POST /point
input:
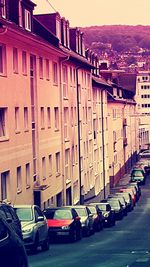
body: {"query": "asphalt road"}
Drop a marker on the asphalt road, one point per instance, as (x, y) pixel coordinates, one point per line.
(127, 244)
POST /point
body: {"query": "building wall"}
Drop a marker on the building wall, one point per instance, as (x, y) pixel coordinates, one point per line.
(123, 133)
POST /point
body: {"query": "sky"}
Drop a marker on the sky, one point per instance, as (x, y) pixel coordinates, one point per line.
(82, 13)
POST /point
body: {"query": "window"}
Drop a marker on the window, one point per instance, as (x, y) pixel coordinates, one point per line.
(48, 117)
(27, 175)
(44, 168)
(55, 73)
(90, 153)
(27, 20)
(47, 69)
(58, 29)
(66, 121)
(67, 160)
(41, 68)
(65, 82)
(17, 120)
(24, 62)
(42, 118)
(3, 2)
(73, 156)
(15, 60)
(2, 59)
(50, 165)
(57, 163)
(3, 122)
(56, 114)
(90, 118)
(76, 148)
(72, 117)
(26, 119)
(4, 183)
(19, 179)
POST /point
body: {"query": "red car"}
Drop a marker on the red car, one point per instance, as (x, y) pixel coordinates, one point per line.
(63, 222)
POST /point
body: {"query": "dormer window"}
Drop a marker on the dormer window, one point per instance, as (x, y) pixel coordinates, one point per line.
(3, 3)
(58, 30)
(27, 20)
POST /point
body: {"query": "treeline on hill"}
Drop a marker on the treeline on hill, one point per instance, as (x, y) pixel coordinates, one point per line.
(121, 37)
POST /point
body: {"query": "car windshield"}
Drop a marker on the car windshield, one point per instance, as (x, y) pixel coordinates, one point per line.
(62, 214)
(24, 214)
(114, 203)
(81, 211)
(92, 210)
(137, 173)
(102, 207)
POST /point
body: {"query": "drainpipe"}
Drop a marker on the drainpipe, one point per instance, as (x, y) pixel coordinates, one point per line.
(81, 196)
(103, 145)
(62, 60)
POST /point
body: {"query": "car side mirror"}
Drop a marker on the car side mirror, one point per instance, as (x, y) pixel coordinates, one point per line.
(77, 218)
(40, 219)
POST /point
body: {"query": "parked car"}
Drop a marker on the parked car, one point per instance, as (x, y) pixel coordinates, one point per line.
(131, 191)
(87, 220)
(137, 175)
(128, 199)
(34, 227)
(108, 213)
(145, 154)
(144, 163)
(97, 216)
(136, 188)
(116, 206)
(12, 250)
(11, 217)
(122, 201)
(63, 222)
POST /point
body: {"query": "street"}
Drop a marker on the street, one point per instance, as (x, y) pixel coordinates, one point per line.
(127, 244)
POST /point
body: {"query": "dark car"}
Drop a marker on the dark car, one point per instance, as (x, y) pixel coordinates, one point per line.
(138, 175)
(11, 217)
(116, 206)
(63, 222)
(122, 201)
(12, 250)
(108, 213)
(128, 199)
(97, 216)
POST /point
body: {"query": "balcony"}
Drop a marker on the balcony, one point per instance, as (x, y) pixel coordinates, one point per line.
(125, 142)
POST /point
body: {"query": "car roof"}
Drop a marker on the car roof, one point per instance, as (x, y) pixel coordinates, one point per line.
(25, 206)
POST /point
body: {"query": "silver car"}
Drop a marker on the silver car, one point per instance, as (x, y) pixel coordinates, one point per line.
(87, 220)
(34, 226)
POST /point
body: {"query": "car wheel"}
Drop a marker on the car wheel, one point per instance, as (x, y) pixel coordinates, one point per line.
(79, 235)
(87, 232)
(73, 235)
(36, 244)
(45, 245)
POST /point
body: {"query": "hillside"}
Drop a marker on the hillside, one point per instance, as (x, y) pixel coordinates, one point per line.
(121, 38)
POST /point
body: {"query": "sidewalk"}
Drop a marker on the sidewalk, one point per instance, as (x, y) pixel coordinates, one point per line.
(123, 181)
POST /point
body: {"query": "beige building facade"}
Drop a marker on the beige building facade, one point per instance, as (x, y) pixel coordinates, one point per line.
(57, 123)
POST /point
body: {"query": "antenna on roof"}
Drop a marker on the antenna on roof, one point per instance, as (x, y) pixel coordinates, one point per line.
(51, 5)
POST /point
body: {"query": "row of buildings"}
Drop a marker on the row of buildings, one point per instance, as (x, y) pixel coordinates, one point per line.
(69, 130)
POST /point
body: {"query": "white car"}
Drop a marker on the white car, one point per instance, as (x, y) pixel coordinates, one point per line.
(34, 226)
(145, 154)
